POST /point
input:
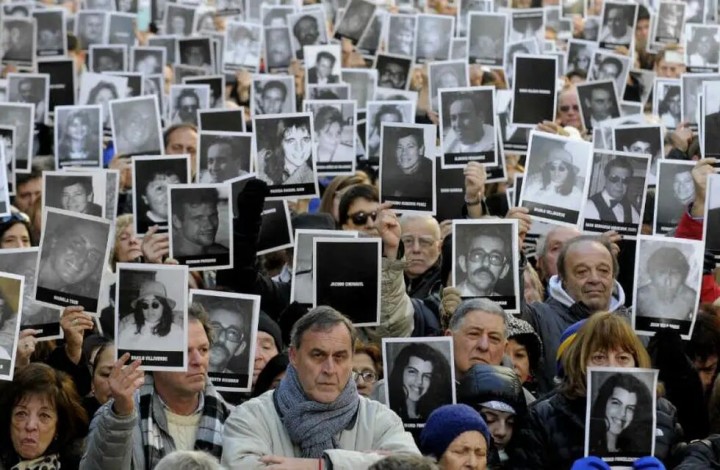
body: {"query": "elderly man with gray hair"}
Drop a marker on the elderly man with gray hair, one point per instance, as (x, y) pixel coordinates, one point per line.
(315, 418)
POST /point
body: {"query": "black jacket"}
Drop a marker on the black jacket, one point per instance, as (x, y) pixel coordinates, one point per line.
(702, 455)
(554, 433)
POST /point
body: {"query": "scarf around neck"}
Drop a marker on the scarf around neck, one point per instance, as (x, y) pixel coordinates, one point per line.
(313, 425)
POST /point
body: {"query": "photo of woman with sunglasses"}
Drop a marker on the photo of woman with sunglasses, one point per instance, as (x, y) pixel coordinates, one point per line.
(556, 183)
(152, 324)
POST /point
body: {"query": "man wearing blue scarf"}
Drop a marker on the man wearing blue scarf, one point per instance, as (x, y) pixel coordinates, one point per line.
(315, 418)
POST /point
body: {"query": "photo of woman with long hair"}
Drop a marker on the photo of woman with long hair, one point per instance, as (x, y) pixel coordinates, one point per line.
(151, 324)
(419, 382)
(78, 136)
(557, 182)
(287, 160)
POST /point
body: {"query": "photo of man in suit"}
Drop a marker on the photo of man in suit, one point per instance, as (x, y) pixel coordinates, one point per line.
(321, 72)
(613, 203)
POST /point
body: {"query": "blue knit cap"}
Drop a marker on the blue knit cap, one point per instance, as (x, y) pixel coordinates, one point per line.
(566, 339)
(445, 424)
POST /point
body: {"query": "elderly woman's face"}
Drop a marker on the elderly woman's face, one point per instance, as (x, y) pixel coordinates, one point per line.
(151, 307)
(416, 378)
(297, 145)
(362, 365)
(611, 358)
(101, 375)
(467, 452)
(33, 426)
(620, 409)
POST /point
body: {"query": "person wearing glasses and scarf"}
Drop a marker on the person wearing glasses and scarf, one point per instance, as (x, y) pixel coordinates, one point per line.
(613, 203)
(151, 323)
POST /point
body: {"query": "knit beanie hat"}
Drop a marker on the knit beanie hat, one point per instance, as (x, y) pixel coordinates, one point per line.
(269, 326)
(566, 339)
(445, 424)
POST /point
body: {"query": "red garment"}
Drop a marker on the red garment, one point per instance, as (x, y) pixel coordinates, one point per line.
(693, 229)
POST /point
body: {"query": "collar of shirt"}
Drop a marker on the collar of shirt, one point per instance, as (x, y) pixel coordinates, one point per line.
(201, 404)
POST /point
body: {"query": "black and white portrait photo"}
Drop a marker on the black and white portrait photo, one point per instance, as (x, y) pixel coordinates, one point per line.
(641, 139)
(285, 154)
(242, 46)
(556, 177)
(702, 53)
(121, 29)
(169, 43)
(335, 135)
(303, 262)
(73, 251)
(394, 71)
(44, 319)
(185, 101)
(80, 193)
(407, 166)
(467, 126)
(322, 64)
(275, 15)
(534, 89)
(136, 125)
(620, 418)
(610, 66)
(108, 180)
(78, 136)
(272, 94)
(90, 28)
(51, 32)
(400, 38)
(618, 25)
(465, 9)
(18, 41)
(33, 89)
(666, 101)
(384, 111)
(147, 60)
(446, 74)
(100, 89)
(179, 19)
(432, 41)
(526, 23)
(308, 29)
(234, 322)
(200, 228)
(616, 197)
(151, 315)
(579, 55)
(347, 277)
(135, 83)
(223, 155)
(668, 273)
(712, 214)
(598, 102)
(459, 48)
(105, 58)
(486, 38)
(691, 87)
(356, 19)
(226, 120)
(668, 24)
(420, 377)
(21, 116)
(362, 85)
(675, 177)
(710, 134)
(151, 178)
(484, 253)
(62, 80)
(196, 52)
(278, 50)
(11, 294)
(369, 42)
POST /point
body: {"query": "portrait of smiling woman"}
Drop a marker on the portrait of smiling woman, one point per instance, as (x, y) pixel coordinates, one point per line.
(621, 418)
(78, 135)
(420, 381)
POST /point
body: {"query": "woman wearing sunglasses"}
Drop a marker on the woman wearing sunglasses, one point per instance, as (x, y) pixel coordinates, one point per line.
(151, 325)
(556, 183)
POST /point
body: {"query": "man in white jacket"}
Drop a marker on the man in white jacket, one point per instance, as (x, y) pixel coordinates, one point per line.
(315, 418)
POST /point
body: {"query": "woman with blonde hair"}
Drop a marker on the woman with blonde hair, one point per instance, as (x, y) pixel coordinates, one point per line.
(553, 435)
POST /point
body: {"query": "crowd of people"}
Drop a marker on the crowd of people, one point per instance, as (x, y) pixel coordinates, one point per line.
(505, 340)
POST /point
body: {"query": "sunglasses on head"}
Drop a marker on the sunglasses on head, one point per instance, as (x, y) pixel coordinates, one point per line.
(617, 179)
(566, 107)
(153, 304)
(360, 218)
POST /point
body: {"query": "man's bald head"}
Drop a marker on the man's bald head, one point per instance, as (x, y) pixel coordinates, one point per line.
(549, 247)
(421, 240)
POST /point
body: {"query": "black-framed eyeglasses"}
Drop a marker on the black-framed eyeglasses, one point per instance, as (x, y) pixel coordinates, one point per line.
(614, 179)
(368, 376)
(146, 305)
(479, 256)
(231, 333)
(360, 218)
